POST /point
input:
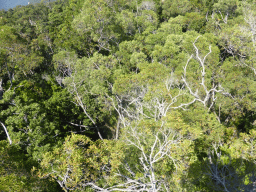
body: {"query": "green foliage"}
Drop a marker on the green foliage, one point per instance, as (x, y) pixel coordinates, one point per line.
(74, 71)
(81, 160)
(175, 8)
(38, 116)
(15, 171)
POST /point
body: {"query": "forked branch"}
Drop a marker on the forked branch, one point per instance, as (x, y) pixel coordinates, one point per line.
(208, 97)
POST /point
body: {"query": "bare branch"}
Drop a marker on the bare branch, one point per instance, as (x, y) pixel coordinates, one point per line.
(208, 93)
(6, 132)
(150, 155)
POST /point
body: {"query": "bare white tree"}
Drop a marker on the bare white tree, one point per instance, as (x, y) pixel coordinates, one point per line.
(132, 105)
(129, 106)
(151, 152)
(208, 97)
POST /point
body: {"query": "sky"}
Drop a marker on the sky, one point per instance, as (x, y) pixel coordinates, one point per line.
(7, 4)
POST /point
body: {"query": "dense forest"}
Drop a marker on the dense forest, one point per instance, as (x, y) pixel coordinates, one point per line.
(117, 95)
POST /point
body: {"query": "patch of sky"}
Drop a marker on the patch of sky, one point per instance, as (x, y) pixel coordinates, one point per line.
(7, 4)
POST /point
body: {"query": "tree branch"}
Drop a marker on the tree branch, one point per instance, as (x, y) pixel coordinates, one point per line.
(6, 132)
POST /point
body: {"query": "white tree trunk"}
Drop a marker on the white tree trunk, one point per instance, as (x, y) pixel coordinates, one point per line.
(7, 134)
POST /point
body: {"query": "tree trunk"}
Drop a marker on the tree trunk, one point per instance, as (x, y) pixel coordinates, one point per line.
(7, 134)
(1, 89)
(118, 127)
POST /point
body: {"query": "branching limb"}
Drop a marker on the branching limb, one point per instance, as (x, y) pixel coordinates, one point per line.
(151, 154)
(209, 94)
(6, 132)
(81, 104)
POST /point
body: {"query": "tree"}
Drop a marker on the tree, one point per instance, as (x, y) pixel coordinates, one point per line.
(87, 80)
(223, 168)
(15, 171)
(98, 20)
(209, 94)
(39, 116)
(80, 162)
(15, 57)
(153, 150)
